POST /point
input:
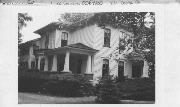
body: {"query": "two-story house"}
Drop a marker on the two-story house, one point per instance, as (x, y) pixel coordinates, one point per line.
(70, 48)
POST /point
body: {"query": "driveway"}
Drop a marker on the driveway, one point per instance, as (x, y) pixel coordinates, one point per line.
(30, 98)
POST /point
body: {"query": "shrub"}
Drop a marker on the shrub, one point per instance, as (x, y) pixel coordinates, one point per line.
(68, 88)
(29, 84)
(106, 92)
(137, 89)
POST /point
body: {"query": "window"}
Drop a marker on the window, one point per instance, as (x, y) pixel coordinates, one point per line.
(121, 70)
(35, 48)
(105, 69)
(64, 39)
(107, 36)
(47, 42)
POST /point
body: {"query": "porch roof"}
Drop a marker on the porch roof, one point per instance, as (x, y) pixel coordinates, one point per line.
(74, 48)
(134, 56)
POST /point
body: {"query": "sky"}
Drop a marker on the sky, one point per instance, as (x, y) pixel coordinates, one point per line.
(41, 17)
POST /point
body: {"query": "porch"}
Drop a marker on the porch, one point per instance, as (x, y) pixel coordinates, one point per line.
(74, 60)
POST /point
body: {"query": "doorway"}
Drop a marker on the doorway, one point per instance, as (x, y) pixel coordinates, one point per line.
(137, 69)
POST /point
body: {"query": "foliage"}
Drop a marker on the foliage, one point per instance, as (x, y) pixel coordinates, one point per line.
(67, 88)
(74, 17)
(22, 19)
(30, 84)
(137, 89)
(106, 91)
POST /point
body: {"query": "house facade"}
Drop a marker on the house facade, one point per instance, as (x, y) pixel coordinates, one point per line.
(87, 50)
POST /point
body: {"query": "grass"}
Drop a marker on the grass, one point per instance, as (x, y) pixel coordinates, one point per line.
(31, 98)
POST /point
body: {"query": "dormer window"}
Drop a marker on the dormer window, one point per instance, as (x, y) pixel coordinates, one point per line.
(64, 39)
(107, 36)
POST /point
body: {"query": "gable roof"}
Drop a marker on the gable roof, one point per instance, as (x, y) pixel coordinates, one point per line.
(63, 25)
(74, 26)
(80, 46)
(28, 43)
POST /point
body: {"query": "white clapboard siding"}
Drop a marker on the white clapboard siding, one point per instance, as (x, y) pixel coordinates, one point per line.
(42, 43)
(58, 38)
(51, 40)
(105, 51)
(84, 36)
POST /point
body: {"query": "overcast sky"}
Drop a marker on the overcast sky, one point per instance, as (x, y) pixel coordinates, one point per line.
(41, 17)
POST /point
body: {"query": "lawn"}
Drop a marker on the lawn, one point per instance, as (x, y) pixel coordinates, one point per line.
(31, 98)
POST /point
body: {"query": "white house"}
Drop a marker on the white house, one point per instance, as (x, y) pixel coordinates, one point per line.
(86, 50)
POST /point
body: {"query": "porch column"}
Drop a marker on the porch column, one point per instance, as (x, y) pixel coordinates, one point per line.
(88, 68)
(54, 66)
(46, 64)
(39, 60)
(66, 63)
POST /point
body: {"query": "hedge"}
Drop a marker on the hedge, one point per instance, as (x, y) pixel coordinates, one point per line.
(137, 89)
(67, 88)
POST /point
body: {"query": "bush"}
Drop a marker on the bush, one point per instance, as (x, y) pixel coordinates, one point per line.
(30, 84)
(106, 92)
(137, 89)
(67, 88)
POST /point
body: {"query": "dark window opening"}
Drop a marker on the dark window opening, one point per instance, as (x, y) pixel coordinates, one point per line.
(60, 62)
(121, 70)
(33, 65)
(64, 39)
(107, 36)
(42, 63)
(79, 63)
(35, 47)
(137, 69)
(36, 63)
(105, 69)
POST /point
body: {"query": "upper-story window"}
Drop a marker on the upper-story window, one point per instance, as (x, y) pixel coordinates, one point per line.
(35, 47)
(47, 42)
(64, 39)
(107, 36)
(105, 69)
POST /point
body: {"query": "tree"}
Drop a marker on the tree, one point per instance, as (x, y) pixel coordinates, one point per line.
(106, 91)
(22, 19)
